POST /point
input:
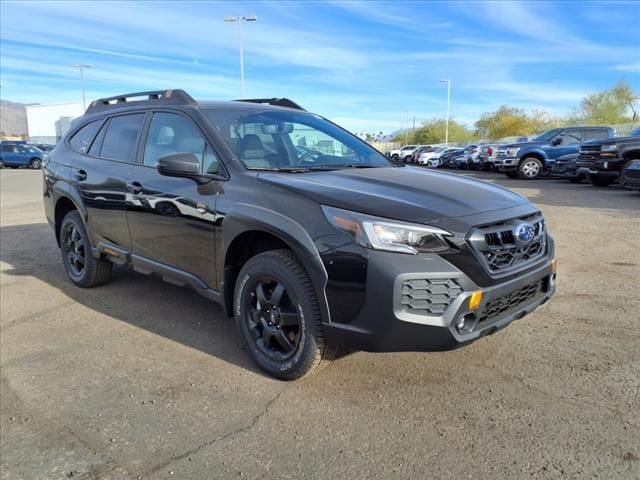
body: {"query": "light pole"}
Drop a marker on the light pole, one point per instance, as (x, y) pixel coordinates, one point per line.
(446, 132)
(245, 18)
(81, 67)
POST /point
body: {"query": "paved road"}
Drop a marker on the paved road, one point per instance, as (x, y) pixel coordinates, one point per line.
(142, 379)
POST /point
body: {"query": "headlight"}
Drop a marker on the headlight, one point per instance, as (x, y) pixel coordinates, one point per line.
(382, 234)
(609, 148)
(512, 152)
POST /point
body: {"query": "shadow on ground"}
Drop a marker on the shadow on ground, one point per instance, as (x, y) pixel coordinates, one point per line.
(177, 313)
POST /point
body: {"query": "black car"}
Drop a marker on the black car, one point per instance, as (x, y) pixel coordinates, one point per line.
(604, 161)
(445, 159)
(631, 177)
(310, 250)
(566, 166)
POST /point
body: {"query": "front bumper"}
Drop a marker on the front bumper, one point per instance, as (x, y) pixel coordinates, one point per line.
(506, 164)
(386, 323)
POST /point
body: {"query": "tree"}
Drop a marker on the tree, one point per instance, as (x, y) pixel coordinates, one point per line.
(617, 104)
(433, 131)
(505, 122)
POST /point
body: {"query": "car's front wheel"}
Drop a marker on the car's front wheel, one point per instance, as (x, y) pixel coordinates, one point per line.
(278, 316)
(530, 167)
(81, 266)
(35, 163)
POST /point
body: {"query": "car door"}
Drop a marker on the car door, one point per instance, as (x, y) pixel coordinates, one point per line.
(8, 155)
(172, 219)
(564, 143)
(99, 172)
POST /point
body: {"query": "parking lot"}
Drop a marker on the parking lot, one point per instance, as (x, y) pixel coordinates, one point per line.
(142, 379)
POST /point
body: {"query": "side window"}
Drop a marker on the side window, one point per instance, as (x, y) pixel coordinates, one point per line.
(568, 137)
(593, 133)
(8, 148)
(121, 137)
(173, 133)
(82, 138)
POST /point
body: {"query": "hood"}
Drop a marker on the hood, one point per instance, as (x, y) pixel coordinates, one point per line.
(404, 193)
(523, 144)
(612, 140)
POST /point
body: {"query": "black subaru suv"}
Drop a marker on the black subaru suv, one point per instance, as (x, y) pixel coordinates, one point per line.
(309, 237)
(604, 161)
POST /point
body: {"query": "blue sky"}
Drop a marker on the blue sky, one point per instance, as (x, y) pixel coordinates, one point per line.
(366, 65)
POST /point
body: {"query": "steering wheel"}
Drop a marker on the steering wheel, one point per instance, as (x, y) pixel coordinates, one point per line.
(308, 155)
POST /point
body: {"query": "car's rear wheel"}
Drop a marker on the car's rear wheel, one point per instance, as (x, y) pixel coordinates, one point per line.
(529, 168)
(35, 163)
(81, 266)
(601, 181)
(278, 316)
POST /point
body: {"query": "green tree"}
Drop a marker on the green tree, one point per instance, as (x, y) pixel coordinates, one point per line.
(505, 122)
(433, 131)
(618, 104)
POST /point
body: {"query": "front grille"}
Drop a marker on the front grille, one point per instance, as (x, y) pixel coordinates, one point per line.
(429, 296)
(501, 253)
(589, 153)
(495, 308)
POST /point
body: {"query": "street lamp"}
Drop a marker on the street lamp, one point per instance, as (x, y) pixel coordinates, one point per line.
(81, 67)
(246, 18)
(446, 133)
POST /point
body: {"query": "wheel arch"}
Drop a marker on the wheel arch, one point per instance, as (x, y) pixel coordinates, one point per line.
(63, 205)
(249, 230)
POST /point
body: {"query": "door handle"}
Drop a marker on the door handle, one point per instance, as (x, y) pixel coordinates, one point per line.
(135, 188)
(80, 175)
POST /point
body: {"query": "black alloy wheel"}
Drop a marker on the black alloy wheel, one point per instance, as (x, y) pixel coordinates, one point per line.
(73, 249)
(272, 318)
(278, 316)
(82, 267)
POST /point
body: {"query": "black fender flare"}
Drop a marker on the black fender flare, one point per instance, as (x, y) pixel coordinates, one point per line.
(245, 217)
(62, 190)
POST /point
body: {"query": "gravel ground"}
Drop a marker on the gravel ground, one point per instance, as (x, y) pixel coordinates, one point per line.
(142, 379)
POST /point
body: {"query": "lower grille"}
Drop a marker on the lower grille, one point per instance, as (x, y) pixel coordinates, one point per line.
(429, 296)
(501, 252)
(498, 306)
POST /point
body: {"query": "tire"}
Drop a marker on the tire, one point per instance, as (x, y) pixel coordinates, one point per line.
(82, 268)
(282, 335)
(512, 174)
(395, 157)
(35, 163)
(601, 181)
(529, 168)
(1, 165)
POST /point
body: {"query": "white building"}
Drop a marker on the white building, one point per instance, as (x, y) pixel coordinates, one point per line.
(47, 123)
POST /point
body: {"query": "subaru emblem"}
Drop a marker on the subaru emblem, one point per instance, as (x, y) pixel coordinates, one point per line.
(524, 233)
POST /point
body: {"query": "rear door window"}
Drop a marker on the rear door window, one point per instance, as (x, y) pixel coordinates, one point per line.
(121, 138)
(82, 138)
(593, 133)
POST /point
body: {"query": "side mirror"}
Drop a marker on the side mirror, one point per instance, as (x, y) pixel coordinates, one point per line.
(179, 165)
(556, 141)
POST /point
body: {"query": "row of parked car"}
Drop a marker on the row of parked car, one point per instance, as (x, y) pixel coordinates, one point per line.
(577, 153)
(19, 153)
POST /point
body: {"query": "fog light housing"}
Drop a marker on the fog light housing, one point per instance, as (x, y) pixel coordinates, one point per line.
(466, 323)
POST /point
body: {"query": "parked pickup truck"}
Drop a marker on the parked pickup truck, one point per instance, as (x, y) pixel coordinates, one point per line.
(532, 159)
(605, 161)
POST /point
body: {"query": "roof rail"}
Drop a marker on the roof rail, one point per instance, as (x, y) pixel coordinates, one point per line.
(278, 102)
(162, 97)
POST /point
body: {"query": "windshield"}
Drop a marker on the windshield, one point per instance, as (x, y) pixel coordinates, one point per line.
(635, 133)
(291, 141)
(548, 135)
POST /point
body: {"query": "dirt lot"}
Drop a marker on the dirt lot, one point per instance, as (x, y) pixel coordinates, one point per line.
(142, 379)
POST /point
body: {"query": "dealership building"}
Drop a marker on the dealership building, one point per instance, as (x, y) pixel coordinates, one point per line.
(48, 123)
